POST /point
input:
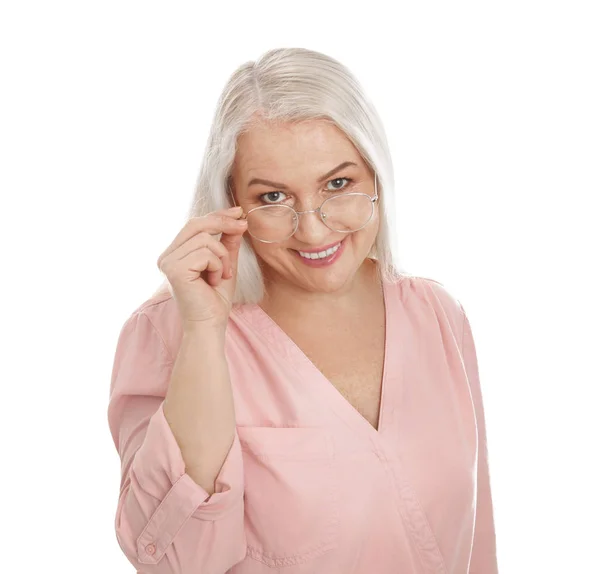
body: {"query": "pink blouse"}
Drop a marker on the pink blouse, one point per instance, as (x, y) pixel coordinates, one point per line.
(308, 485)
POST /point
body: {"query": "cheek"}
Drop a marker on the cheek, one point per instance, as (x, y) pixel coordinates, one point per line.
(372, 227)
(267, 250)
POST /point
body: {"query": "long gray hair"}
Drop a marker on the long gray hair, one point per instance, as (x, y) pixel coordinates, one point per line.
(288, 85)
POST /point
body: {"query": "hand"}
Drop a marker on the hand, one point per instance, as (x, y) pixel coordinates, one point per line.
(202, 269)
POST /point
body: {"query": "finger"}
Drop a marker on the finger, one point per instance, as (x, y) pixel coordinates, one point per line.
(216, 247)
(211, 223)
(233, 242)
(200, 241)
(214, 270)
(199, 263)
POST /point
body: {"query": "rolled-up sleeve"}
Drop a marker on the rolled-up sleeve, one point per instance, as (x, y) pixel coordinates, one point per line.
(483, 557)
(165, 522)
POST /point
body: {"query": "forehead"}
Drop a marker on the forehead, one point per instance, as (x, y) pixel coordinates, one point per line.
(311, 146)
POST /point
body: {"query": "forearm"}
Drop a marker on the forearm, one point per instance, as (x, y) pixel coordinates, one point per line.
(199, 404)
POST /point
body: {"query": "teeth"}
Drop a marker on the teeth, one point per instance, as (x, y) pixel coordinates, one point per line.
(321, 254)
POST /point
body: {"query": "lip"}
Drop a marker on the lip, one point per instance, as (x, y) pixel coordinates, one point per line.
(323, 262)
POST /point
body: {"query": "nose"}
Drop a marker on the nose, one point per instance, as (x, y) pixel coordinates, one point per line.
(311, 229)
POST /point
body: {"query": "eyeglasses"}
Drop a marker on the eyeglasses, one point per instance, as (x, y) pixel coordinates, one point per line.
(344, 213)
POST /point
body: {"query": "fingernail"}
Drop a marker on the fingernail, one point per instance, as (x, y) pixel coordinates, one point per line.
(236, 208)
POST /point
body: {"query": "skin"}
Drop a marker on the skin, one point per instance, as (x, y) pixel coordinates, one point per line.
(297, 155)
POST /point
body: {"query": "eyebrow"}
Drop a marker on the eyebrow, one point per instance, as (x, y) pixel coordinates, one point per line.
(283, 186)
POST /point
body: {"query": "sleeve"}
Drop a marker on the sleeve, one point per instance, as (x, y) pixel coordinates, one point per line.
(165, 522)
(483, 556)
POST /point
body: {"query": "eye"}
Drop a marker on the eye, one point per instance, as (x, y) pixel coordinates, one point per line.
(270, 194)
(340, 179)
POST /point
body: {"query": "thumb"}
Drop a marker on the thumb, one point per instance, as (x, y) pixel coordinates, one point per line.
(233, 244)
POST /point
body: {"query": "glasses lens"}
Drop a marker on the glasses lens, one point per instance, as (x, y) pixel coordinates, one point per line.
(272, 222)
(347, 212)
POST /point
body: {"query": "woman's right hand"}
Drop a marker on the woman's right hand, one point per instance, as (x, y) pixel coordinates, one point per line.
(202, 269)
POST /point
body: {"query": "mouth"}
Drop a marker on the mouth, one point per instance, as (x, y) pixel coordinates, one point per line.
(325, 256)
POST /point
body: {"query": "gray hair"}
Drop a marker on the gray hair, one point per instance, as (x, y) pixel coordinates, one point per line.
(291, 85)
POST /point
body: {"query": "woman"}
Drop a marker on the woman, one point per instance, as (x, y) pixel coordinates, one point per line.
(291, 401)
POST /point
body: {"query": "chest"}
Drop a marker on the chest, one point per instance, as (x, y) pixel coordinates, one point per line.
(351, 358)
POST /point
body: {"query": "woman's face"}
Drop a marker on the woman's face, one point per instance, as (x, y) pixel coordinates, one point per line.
(291, 160)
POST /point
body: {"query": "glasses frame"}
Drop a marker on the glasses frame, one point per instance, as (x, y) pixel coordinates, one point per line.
(373, 199)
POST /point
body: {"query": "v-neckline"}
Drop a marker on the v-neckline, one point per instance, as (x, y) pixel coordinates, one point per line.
(281, 343)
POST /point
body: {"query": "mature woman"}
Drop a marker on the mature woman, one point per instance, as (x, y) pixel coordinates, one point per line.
(290, 401)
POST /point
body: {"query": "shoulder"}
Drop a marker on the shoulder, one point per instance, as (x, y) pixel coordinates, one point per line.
(445, 295)
(425, 298)
(427, 288)
(162, 315)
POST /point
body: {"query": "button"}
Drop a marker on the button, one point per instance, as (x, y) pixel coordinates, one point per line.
(151, 549)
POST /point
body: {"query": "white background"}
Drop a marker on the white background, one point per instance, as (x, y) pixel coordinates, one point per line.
(492, 115)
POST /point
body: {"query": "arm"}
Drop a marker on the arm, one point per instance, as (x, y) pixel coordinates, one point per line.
(483, 558)
(166, 522)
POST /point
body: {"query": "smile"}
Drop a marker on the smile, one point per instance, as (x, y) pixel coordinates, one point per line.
(324, 258)
(320, 254)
